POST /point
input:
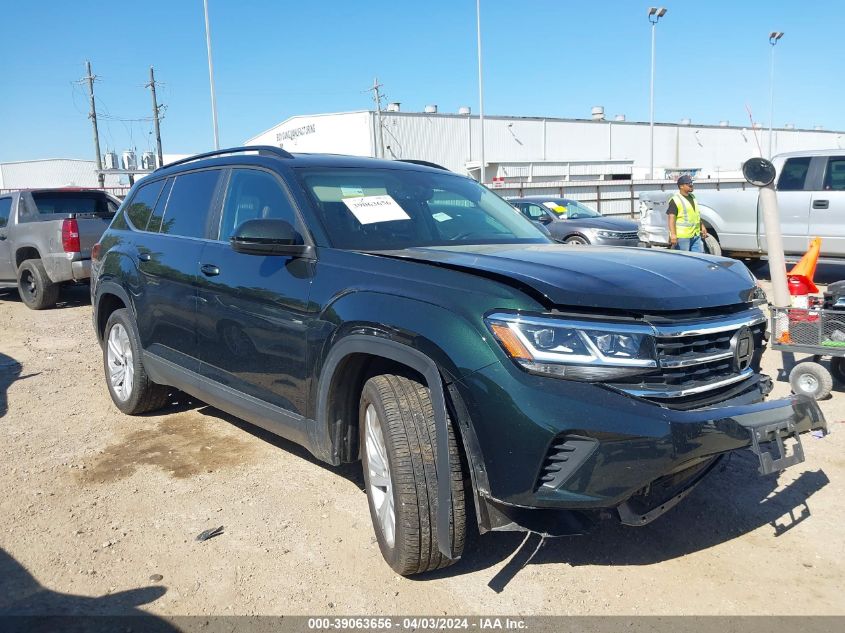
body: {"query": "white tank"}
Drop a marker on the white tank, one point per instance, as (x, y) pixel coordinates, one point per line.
(148, 161)
(129, 160)
(110, 161)
(431, 109)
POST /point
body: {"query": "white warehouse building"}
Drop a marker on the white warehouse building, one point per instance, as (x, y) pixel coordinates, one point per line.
(542, 149)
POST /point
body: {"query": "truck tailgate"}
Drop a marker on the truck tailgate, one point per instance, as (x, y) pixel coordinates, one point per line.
(90, 231)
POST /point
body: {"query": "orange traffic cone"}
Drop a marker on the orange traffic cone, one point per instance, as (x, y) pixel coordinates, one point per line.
(801, 276)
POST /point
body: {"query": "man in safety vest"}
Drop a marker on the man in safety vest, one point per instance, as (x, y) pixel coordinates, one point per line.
(686, 230)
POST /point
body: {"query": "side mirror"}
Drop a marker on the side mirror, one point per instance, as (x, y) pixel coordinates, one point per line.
(269, 237)
(544, 220)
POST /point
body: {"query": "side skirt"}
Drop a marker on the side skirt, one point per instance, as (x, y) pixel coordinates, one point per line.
(281, 422)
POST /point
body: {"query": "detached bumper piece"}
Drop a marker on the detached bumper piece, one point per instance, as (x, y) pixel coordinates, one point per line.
(767, 436)
(769, 430)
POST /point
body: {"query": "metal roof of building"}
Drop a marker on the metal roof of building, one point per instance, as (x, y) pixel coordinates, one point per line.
(52, 172)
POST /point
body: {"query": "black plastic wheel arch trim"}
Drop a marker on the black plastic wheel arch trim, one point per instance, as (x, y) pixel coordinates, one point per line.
(419, 362)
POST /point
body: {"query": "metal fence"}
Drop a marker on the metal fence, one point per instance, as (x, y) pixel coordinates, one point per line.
(610, 197)
(118, 192)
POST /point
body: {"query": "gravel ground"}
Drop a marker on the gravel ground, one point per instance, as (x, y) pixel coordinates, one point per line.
(99, 513)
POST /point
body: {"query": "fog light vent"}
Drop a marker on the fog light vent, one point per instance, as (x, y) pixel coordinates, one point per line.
(565, 456)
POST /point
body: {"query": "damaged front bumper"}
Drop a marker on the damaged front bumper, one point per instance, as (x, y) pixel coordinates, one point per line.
(607, 453)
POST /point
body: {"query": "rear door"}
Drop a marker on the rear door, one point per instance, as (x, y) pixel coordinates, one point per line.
(253, 309)
(7, 269)
(827, 208)
(168, 259)
(794, 192)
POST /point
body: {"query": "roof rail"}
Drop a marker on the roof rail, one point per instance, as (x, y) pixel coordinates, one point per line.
(261, 149)
(424, 163)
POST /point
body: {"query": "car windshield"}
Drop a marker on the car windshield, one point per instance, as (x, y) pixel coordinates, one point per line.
(387, 209)
(571, 209)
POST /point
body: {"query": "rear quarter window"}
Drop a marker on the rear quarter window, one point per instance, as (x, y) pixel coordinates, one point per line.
(143, 202)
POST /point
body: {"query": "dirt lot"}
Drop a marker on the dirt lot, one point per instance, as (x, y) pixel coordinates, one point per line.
(101, 511)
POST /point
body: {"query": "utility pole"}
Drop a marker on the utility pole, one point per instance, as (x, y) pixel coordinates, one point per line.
(101, 177)
(156, 108)
(377, 99)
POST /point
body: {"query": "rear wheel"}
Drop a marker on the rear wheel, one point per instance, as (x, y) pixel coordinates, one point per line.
(811, 379)
(34, 286)
(131, 389)
(398, 447)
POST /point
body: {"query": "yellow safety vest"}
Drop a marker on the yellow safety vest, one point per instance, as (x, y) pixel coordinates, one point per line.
(688, 222)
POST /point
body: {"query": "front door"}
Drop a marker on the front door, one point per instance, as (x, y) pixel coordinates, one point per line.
(827, 209)
(7, 268)
(253, 312)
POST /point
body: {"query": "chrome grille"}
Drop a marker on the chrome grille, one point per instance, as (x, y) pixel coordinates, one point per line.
(698, 357)
(622, 235)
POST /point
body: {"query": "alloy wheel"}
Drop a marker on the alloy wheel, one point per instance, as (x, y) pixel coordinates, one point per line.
(380, 486)
(119, 359)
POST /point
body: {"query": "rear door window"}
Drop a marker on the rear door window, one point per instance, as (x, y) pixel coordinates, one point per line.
(143, 203)
(189, 204)
(834, 177)
(253, 194)
(794, 174)
(5, 210)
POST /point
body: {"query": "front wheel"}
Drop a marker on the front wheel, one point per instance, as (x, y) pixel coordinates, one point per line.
(576, 240)
(131, 389)
(398, 447)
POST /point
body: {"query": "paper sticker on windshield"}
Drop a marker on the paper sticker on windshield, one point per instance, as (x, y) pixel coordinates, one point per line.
(554, 206)
(351, 192)
(441, 217)
(372, 209)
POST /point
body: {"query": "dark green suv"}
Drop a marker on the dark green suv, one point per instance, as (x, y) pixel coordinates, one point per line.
(402, 315)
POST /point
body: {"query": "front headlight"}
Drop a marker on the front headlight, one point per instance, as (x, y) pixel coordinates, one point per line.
(578, 350)
(608, 234)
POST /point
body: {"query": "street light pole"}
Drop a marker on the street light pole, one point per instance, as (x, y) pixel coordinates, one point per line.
(480, 91)
(211, 76)
(654, 15)
(774, 36)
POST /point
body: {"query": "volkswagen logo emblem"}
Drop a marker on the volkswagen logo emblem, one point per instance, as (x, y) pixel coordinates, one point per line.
(742, 346)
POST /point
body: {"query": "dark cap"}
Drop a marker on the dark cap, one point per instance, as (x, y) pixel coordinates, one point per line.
(685, 180)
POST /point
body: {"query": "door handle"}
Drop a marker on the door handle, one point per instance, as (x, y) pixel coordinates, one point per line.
(145, 257)
(821, 204)
(210, 270)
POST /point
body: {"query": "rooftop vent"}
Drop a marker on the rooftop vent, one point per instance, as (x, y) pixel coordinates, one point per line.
(431, 109)
(789, 126)
(724, 123)
(464, 110)
(619, 117)
(818, 128)
(598, 113)
(393, 107)
(758, 125)
(685, 121)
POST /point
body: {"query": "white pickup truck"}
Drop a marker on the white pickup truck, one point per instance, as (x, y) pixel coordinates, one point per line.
(811, 199)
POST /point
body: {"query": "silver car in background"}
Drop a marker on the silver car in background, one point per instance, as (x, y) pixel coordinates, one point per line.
(572, 222)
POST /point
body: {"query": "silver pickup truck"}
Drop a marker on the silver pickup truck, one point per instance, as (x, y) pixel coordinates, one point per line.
(46, 237)
(811, 198)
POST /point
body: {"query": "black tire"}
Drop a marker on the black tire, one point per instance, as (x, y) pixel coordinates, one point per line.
(811, 379)
(837, 369)
(34, 286)
(576, 240)
(144, 395)
(405, 415)
(711, 245)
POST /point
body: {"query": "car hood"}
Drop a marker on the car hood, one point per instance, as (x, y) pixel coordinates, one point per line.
(636, 279)
(607, 224)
